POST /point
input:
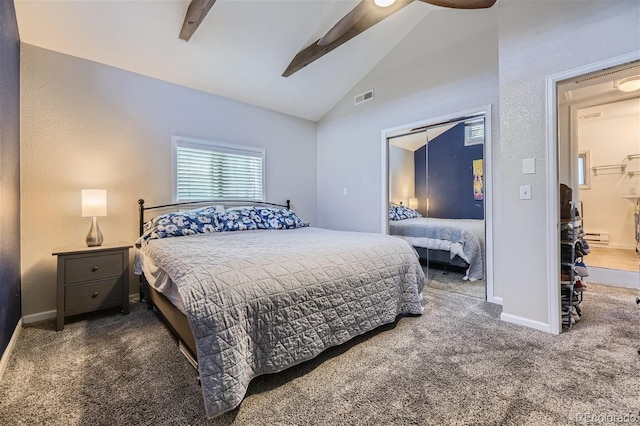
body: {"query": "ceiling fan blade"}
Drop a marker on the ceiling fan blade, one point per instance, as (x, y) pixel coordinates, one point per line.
(462, 4)
(196, 12)
(315, 51)
(365, 15)
(347, 21)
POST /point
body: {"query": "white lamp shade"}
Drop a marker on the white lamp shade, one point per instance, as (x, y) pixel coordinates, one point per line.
(94, 202)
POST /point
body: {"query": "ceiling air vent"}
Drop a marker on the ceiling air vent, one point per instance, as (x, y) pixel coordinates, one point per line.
(363, 97)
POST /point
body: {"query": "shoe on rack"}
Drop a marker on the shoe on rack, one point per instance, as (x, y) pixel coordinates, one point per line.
(579, 286)
(574, 302)
(566, 256)
(581, 269)
(574, 314)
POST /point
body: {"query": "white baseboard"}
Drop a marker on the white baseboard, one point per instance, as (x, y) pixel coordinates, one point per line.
(495, 299)
(537, 325)
(7, 352)
(40, 316)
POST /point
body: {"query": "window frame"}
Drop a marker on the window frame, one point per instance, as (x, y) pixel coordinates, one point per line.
(586, 170)
(214, 146)
(469, 125)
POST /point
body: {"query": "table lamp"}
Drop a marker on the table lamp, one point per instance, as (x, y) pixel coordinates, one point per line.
(94, 204)
(413, 203)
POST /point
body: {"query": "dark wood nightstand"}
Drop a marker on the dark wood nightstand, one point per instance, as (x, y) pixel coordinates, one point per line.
(91, 278)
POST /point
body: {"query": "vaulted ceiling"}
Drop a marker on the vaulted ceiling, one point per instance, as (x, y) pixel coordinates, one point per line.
(239, 51)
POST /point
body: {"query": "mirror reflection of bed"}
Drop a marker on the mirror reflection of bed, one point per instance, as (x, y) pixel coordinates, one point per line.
(436, 201)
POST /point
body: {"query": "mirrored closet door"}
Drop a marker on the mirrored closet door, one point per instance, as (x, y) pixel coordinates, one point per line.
(436, 201)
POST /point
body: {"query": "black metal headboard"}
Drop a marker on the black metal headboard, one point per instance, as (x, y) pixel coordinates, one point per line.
(143, 209)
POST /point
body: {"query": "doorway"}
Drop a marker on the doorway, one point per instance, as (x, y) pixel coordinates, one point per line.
(440, 169)
(562, 169)
(599, 128)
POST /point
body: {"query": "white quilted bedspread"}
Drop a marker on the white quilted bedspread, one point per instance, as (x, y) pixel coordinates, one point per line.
(261, 301)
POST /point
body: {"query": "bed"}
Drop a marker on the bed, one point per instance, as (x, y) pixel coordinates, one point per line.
(272, 294)
(457, 242)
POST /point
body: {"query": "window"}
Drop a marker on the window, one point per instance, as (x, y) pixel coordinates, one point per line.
(583, 170)
(205, 170)
(474, 131)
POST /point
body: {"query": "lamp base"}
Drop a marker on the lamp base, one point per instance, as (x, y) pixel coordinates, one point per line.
(94, 237)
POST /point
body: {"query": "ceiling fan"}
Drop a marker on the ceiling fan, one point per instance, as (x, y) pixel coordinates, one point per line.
(366, 14)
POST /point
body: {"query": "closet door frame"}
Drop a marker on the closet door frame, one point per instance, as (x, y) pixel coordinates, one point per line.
(488, 182)
(553, 180)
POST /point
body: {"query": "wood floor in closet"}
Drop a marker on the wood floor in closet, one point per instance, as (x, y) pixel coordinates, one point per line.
(612, 258)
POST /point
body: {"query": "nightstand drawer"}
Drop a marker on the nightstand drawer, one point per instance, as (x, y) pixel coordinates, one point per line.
(92, 268)
(90, 279)
(99, 293)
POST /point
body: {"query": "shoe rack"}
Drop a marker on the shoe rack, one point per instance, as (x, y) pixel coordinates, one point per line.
(572, 269)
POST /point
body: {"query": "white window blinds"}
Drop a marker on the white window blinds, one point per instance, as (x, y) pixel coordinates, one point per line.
(474, 131)
(215, 171)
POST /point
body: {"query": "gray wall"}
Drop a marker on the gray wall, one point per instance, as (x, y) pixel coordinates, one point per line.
(456, 73)
(513, 48)
(449, 72)
(87, 125)
(10, 311)
(539, 39)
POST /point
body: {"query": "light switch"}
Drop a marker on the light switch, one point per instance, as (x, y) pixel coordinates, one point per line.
(528, 166)
(525, 192)
(344, 191)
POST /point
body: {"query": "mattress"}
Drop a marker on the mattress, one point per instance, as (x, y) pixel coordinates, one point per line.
(159, 279)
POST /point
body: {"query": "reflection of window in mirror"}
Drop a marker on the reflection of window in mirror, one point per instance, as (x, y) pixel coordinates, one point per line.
(474, 131)
(583, 170)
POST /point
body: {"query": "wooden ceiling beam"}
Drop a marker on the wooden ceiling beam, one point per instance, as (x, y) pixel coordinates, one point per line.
(315, 51)
(196, 12)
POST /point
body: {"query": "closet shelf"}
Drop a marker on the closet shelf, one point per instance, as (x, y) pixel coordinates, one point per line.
(632, 157)
(621, 168)
(610, 169)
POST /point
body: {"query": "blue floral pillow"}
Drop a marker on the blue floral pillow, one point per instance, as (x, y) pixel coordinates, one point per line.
(406, 212)
(177, 224)
(274, 218)
(393, 214)
(241, 219)
(402, 212)
(208, 210)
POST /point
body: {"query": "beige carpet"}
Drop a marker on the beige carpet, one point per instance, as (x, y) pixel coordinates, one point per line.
(451, 279)
(455, 364)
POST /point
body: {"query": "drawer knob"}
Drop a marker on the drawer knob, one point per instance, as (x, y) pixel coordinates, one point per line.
(94, 269)
(94, 295)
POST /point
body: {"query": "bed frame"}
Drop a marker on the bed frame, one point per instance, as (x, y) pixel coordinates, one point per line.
(442, 257)
(175, 319)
